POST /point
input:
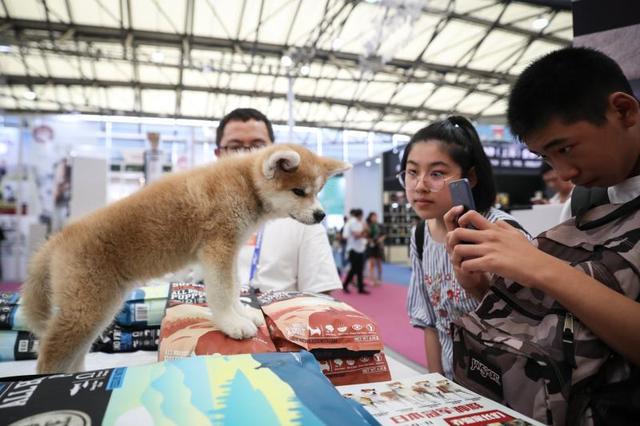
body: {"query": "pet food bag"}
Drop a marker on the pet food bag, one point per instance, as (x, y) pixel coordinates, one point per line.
(320, 324)
(344, 341)
(11, 313)
(187, 329)
(252, 389)
(9, 297)
(116, 339)
(144, 307)
(17, 345)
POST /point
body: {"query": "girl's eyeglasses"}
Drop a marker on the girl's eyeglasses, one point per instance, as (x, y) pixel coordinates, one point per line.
(433, 181)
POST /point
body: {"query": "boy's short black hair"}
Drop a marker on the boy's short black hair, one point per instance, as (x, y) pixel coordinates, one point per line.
(461, 141)
(244, 115)
(570, 84)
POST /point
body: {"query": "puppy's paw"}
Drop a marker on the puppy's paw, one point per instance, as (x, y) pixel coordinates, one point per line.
(255, 315)
(236, 327)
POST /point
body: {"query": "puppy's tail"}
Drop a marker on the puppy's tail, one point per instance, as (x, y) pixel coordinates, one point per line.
(36, 291)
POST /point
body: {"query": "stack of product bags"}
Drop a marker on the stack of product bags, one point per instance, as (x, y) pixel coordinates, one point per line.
(136, 327)
(16, 343)
(344, 341)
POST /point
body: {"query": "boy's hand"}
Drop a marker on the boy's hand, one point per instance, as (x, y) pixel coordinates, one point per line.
(475, 283)
(496, 248)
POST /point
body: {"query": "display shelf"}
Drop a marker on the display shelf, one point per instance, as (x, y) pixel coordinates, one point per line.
(398, 219)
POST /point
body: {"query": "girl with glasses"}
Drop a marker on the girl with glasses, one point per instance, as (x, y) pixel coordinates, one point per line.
(437, 154)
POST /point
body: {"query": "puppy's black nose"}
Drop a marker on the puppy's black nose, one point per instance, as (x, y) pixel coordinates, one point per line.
(318, 215)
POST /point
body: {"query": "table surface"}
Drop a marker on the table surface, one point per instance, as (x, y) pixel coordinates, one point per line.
(400, 367)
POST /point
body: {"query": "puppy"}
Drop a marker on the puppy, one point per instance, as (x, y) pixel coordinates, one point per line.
(77, 280)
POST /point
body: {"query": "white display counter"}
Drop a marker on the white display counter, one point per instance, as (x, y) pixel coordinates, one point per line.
(539, 218)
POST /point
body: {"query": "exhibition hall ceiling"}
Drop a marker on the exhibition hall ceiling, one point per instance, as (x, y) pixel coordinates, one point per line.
(385, 65)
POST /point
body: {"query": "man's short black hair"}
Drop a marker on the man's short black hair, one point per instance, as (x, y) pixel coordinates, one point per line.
(244, 115)
(570, 84)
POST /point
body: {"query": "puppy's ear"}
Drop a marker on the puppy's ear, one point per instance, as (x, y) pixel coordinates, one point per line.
(334, 167)
(285, 160)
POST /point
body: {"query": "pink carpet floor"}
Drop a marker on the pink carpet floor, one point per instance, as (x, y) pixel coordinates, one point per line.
(10, 286)
(387, 306)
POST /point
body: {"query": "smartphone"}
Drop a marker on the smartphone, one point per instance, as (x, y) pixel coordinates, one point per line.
(461, 195)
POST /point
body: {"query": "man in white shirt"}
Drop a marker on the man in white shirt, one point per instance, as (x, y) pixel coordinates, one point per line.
(562, 188)
(288, 254)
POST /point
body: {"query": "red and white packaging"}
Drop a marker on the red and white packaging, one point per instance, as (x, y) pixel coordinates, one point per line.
(316, 321)
(187, 330)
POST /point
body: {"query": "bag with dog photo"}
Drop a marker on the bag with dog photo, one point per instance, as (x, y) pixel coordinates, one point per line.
(343, 340)
(320, 324)
(187, 329)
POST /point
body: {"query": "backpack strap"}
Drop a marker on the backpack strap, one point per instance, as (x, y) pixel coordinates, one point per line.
(583, 199)
(622, 211)
(419, 233)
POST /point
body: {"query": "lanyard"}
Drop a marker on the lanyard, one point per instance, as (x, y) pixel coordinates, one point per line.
(255, 260)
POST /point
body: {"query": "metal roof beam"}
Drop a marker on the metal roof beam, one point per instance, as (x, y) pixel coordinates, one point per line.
(505, 27)
(19, 80)
(116, 35)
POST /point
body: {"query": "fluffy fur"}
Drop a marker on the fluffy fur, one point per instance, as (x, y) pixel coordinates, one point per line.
(78, 279)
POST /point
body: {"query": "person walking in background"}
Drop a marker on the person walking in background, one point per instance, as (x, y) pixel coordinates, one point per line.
(356, 234)
(375, 248)
(344, 261)
(444, 151)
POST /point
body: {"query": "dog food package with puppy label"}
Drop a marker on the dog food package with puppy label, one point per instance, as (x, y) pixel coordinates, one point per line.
(186, 293)
(17, 345)
(187, 329)
(117, 339)
(144, 307)
(254, 389)
(319, 322)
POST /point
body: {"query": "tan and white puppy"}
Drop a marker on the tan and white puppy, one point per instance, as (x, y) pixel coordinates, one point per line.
(78, 279)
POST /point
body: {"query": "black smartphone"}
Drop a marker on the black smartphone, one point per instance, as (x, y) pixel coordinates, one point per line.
(461, 195)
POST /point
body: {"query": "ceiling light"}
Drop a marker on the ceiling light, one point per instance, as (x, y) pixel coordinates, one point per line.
(5, 49)
(540, 23)
(29, 95)
(304, 70)
(378, 160)
(286, 61)
(157, 56)
(367, 164)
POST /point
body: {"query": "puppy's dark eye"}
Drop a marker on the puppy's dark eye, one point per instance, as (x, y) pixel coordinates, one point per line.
(299, 192)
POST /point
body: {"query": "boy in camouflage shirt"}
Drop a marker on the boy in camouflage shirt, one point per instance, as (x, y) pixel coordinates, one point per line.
(575, 108)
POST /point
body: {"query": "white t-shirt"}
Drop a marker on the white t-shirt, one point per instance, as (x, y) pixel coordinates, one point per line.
(293, 256)
(357, 244)
(625, 191)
